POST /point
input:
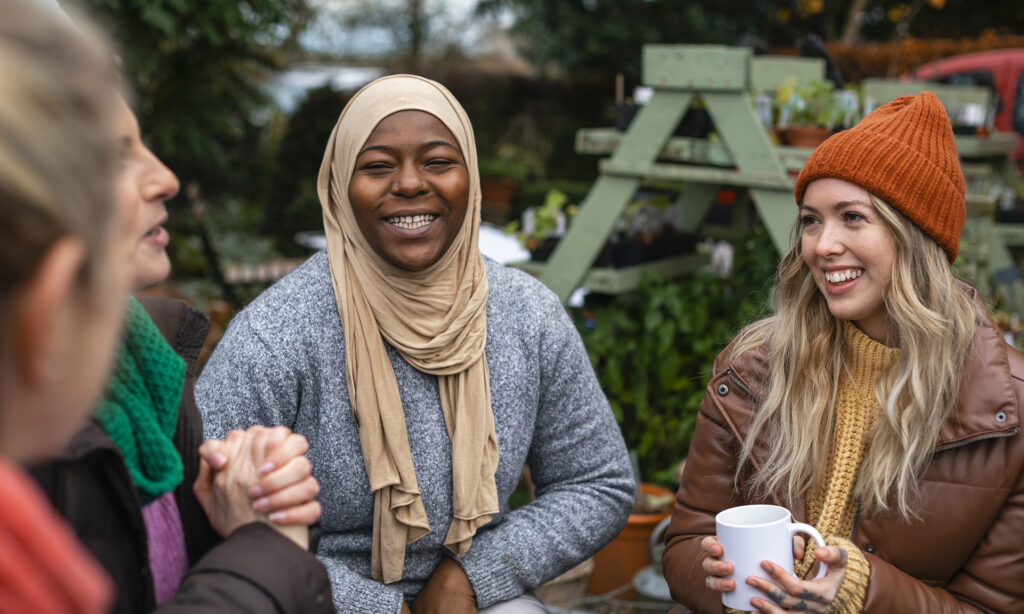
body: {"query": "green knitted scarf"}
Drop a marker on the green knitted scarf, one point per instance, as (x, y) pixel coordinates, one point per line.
(140, 411)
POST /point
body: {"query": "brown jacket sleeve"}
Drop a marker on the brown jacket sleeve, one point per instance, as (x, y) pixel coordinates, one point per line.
(255, 570)
(706, 489)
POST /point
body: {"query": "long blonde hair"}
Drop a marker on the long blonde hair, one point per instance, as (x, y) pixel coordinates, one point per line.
(935, 322)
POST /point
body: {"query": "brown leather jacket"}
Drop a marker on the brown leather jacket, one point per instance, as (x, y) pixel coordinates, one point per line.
(966, 551)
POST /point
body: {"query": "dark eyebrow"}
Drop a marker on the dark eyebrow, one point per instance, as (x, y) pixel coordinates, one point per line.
(375, 148)
(388, 148)
(437, 143)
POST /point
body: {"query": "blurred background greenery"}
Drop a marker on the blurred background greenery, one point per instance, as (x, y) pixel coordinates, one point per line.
(239, 97)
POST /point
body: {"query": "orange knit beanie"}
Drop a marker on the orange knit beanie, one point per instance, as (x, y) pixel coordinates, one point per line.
(904, 153)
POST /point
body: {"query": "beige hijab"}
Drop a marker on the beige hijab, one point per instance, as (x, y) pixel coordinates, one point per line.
(435, 318)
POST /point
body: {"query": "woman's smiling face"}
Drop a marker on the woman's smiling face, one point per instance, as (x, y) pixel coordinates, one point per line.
(410, 190)
(850, 251)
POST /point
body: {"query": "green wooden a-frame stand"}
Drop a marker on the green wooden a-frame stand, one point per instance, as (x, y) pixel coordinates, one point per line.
(726, 79)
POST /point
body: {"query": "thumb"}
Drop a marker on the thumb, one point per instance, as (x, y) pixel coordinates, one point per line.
(203, 484)
(834, 556)
(214, 452)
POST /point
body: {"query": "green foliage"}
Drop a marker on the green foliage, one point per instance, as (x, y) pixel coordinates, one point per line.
(292, 204)
(811, 103)
(197, 67)
(653, 349)
(606, 36)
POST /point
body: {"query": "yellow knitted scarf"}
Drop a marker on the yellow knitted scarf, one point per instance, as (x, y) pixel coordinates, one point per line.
(831, 508)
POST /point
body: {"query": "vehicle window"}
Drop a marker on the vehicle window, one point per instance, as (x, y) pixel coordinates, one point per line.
(978, 77)
(1018, 107)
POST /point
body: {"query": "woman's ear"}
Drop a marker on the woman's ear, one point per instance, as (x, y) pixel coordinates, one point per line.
(44, 313)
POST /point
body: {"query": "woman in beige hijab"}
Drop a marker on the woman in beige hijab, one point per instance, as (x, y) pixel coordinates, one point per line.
(424, 378)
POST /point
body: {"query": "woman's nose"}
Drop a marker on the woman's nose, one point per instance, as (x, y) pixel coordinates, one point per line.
(160, 183)
(830, 241)
(407, 182)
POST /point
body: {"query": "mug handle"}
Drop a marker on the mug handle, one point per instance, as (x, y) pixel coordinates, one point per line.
(799, 527)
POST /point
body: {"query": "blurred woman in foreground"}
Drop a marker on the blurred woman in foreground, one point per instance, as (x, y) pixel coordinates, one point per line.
(64, 277)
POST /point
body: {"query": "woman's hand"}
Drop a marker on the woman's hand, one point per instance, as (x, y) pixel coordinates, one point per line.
(715, 567)
(224, 494)
(790, 593)
(447, 590)
(719, 570)
(286, 486)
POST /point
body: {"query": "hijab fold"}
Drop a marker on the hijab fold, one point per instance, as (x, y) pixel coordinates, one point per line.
(435, 318)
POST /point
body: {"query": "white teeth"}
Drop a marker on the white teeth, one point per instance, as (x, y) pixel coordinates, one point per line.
(838, 277)
(411, 222)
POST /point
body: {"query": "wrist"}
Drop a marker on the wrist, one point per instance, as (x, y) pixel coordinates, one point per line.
(454, 578)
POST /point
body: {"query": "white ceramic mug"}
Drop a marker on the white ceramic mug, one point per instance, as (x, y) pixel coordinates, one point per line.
(750, 534)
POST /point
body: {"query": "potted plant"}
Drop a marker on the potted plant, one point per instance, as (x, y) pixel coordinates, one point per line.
(500, 183)
(809, 112)
(616, 564)
(541, 227)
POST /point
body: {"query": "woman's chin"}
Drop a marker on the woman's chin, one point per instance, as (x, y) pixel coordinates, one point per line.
(151, 270)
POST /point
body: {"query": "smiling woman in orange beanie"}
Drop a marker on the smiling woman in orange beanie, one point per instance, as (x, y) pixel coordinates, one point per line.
(878, 402)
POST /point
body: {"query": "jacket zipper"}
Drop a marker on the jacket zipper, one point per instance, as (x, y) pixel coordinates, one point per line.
(734, 380)
(977, 438)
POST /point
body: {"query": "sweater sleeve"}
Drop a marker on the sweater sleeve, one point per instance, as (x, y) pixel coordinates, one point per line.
(850, 598)
(244, 383)
(579, 465)
(255, 570)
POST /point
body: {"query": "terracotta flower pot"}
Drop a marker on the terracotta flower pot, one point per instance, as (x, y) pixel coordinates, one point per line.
(617, 563)
(805, 136)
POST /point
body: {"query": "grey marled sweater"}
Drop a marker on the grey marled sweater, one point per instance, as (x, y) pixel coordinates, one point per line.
(282, 361)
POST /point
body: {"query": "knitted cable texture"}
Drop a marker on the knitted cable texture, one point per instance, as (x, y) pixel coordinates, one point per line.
(854, 589)
(830, 508)
(140, 411)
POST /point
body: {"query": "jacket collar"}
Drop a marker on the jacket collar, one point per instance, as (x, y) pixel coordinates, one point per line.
(986, 392)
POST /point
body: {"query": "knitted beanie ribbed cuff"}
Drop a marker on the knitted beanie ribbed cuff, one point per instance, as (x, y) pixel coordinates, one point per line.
(854, 589)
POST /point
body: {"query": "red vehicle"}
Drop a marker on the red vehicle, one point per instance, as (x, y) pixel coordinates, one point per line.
(1002, 71)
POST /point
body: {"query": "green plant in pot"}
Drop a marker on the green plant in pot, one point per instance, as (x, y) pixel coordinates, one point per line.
(541, 227)
(808, 112)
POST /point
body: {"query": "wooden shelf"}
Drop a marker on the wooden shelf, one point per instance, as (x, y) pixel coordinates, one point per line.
(609, 280)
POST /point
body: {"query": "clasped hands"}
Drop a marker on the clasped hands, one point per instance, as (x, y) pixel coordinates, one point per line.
(786, 592)
(258, 475)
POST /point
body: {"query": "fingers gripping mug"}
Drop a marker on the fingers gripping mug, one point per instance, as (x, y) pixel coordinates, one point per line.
(750, 534)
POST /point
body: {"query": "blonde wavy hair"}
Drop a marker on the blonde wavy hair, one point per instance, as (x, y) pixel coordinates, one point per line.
(934, 321)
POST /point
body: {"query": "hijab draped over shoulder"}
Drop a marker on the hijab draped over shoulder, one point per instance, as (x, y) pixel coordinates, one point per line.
(435, 318)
